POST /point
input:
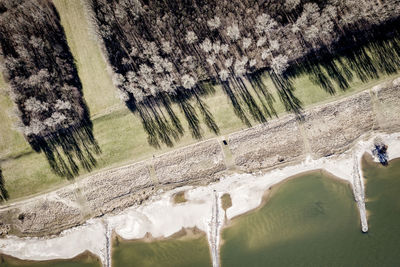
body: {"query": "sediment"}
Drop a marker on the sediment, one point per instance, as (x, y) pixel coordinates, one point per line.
(323, 131)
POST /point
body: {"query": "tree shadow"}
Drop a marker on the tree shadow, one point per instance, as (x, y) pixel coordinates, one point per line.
(3, 191)
(68, 149)
(162, 124)
(250, 98)
(363, 55)
(67, 146)
(286, 90)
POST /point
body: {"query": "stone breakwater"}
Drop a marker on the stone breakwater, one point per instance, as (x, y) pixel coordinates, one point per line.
(326, 130)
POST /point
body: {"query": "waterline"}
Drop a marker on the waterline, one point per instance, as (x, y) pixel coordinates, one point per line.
(312, 221)
(161, 217)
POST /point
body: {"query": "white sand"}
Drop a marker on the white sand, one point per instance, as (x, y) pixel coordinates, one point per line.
(68, 244)
(162, 218)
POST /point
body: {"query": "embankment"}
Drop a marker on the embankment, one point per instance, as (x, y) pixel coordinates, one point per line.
(325, 130)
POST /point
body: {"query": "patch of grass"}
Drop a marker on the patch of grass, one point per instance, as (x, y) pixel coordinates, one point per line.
(122, 140)
(119, 133)
(12, 142)
(98, 89)
(179, 197)
(226, 201)
(2, 82)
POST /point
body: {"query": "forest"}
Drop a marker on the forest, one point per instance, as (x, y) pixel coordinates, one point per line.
(3, 191)
(164, 52)
(169, 56)
(45, 85)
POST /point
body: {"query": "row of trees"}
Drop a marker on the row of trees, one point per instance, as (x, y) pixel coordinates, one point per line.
(39, 68)
(44, 83)
(161, 46)
(163, 49)
(3, 191)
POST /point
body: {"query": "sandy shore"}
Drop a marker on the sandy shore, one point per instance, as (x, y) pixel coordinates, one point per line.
(326, 130)
(161, 217)
(335, 136)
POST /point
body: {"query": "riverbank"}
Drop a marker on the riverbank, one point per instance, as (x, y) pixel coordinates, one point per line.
(355, 121)
(326, 130)
(161, 218)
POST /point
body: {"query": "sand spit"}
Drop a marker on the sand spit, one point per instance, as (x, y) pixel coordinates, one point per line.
(214, 228)
(138, 199)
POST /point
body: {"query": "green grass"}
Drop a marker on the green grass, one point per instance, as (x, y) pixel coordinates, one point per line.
(119, 133)
(97, 86)
(11, 141)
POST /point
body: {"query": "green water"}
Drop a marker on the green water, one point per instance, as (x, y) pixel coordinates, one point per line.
(83, 260)
(313, 221)
(193, 252)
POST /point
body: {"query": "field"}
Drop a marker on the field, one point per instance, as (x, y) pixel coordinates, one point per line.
(118, 131)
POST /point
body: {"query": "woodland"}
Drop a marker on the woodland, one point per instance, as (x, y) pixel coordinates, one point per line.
(168, 54)
(45, 85)
(164, 52)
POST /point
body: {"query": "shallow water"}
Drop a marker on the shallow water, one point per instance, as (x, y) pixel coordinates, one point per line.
(313, 221)
(186, 251)
(83, 260)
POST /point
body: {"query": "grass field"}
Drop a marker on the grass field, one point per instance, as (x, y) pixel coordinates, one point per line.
(119, 132)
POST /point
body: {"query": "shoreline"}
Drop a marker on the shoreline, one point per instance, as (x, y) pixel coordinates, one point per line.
(143, 202)
(269, 192)
(199, 211)
(84, 255)
(329, 129)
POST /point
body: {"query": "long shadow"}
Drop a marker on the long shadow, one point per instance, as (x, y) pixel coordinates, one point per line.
(67, 147)
(3, 191)
(286, 93)
(162, 124)
(363, 55)
(250, 98)
(159, 119)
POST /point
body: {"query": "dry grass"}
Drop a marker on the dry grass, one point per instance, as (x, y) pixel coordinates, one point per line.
(226, 201)
(179, 197)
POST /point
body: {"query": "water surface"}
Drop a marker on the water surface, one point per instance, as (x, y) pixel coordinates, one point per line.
(312, 220)
(188, 251)
(83, 260)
